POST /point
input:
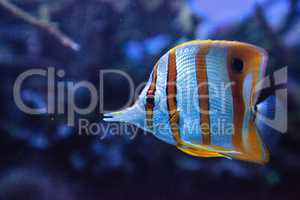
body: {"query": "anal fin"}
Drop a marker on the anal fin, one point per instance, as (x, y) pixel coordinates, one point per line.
(254, 149)
(200, 152)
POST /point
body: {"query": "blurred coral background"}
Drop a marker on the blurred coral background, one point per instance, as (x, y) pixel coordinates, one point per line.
(42, 158)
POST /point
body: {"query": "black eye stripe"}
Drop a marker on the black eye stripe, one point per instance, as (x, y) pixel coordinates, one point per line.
(237, 65)
(150, 99)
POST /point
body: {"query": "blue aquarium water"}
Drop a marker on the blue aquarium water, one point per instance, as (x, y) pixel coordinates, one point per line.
(65, 65)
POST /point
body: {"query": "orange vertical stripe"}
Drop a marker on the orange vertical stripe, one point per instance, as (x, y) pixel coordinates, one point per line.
(238, 104)
(151, 94)
(171, 91)
(253, 148)
(203, 91)
(244, 53)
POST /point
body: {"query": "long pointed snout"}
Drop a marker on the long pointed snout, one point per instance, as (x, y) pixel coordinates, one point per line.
(133, 115)
(115, 117)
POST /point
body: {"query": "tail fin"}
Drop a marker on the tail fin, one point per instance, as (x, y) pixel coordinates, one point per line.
(271, 114)
(266, 112)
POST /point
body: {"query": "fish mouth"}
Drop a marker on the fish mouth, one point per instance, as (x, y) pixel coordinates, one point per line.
(130, 115)
(107, 117)
(113, 117)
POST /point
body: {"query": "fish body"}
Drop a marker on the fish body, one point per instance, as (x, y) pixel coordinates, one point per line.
(200, 98)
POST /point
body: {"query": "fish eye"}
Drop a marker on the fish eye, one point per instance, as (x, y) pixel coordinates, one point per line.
(237, 65)
(150, 100)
